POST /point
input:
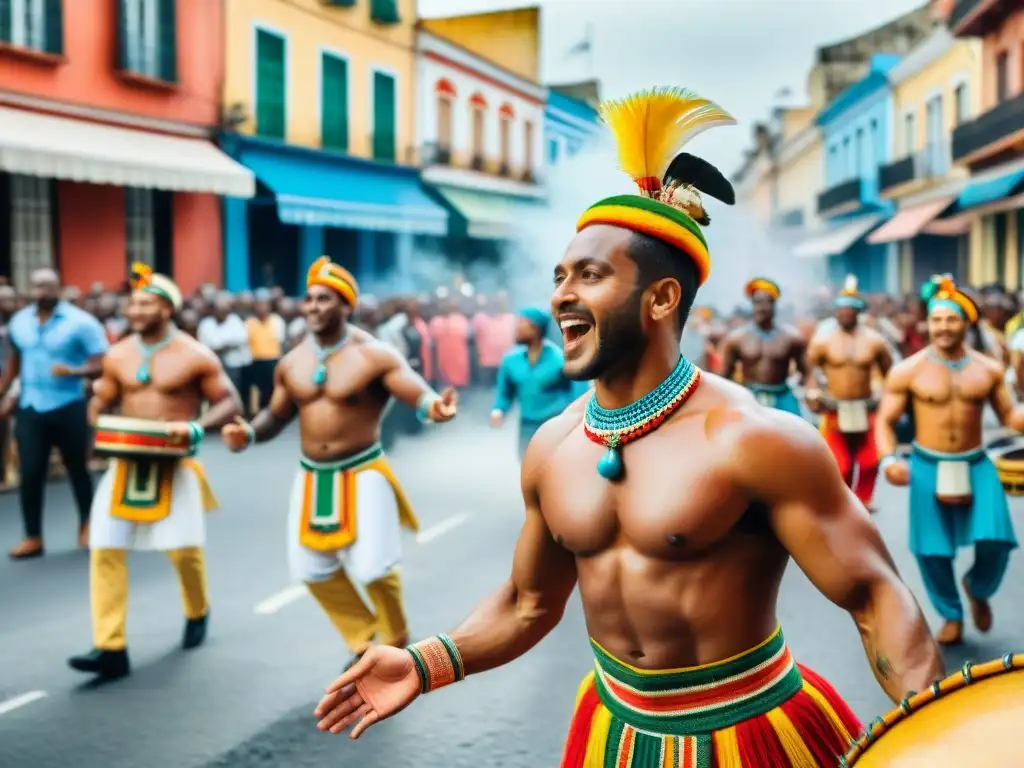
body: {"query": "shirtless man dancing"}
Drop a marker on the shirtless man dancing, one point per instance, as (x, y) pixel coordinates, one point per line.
(346, 504)
(675, 502)
(766, 351)
(848, 356)
(162, 376)
(956, 498)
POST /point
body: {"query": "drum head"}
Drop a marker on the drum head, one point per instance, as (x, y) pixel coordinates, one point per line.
(974, 724)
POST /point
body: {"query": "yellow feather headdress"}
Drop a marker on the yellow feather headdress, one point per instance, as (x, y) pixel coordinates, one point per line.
(649, 128)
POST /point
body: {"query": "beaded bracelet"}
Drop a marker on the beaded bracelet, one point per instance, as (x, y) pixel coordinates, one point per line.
(250, 433)
(423, 406)
(438, 662)
(198, 433)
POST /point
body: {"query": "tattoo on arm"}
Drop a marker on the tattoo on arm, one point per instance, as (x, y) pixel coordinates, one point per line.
(883, 666)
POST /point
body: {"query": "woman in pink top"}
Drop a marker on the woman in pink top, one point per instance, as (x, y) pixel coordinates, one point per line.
(449, 332)
(494, 329)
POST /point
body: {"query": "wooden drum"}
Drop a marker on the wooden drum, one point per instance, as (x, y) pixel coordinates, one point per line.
(1007, 454)
(128, 438)
(972, 718)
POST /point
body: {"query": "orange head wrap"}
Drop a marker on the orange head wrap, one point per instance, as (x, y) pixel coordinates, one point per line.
(330, 275)
(763, 285)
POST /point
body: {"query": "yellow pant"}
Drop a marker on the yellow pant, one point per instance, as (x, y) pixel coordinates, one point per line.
(108, 591)
(356, 623)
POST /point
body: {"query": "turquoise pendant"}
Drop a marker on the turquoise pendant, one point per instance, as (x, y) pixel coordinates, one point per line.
(610, 466)
(142, 375)
(320, 375)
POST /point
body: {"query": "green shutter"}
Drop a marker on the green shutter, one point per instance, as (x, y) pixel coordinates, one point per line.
(121, 53)
(385, 11)
(5, 21)
(334, 102)
(167, 40)
(54, 14)
(341, 3)
(384, 138)
(270, 85)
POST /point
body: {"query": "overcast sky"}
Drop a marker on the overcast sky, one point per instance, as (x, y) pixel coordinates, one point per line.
(738, 53)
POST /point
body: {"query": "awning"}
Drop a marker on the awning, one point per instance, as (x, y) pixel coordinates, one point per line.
(317, 189)
(990, 191)
(488, 216)
(906, 224)
(837, 239)
(35, 144)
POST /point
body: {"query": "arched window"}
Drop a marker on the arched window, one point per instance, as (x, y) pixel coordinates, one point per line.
(505, 116)
(478, 109)
(444, 92)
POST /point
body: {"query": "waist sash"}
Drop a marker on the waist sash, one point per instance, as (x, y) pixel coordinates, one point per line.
(768, 394)
(952, 472)
(329, 499)
(700, 699)
(143, 488)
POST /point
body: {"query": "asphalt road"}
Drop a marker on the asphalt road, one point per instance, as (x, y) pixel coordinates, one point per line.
(244, 700)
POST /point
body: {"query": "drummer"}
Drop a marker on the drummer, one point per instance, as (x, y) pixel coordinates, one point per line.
(161, 377)
(956, 498)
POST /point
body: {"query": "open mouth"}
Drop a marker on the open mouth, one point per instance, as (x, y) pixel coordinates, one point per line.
(574, 329)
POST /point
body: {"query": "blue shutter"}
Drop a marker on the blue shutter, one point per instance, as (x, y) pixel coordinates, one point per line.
(167, 40)
(341, 3)
(121, 53)
(54, 15)
(5, 22)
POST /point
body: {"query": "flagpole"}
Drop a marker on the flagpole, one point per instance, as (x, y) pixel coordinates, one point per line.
(590, 50)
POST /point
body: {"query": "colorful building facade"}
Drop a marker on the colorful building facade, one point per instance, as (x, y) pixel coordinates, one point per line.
(320, 96)
(856, 129)
(991, 145)
(106, 114)
(936, 88)
(569, 125)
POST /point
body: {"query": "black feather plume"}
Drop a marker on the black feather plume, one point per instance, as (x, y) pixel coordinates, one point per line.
(700, 174)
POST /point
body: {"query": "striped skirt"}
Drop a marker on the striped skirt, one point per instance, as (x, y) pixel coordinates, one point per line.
(756, 710)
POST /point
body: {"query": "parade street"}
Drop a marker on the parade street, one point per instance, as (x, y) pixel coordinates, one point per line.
(245, 699)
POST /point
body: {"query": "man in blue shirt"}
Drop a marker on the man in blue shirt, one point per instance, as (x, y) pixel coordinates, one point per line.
(54, 346)
(531, 374)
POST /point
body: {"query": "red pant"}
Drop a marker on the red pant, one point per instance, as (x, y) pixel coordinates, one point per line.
(853, 451)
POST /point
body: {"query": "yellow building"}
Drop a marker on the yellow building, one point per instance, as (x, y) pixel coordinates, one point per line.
(936, 87)
(318, 99)
(510, 39)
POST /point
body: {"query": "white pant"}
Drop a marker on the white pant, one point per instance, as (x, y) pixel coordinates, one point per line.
(185, 526)
(378, 545)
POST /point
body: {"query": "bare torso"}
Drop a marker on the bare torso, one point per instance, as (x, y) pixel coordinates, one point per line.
(949, 404)
(848, 360)
(676, 565)
(342, 416)
(174, 389)
(765, 360)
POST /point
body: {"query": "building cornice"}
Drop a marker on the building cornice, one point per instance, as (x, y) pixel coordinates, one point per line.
(473, 180)
(922, 56)
(434, 47)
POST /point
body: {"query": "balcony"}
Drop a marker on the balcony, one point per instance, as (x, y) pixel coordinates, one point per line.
(435, 154)
(914, 170)
(995, 131)
(841, 198)
(977, 18)
(896, 173)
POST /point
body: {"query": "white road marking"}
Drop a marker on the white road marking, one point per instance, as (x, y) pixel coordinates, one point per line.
(20, 701)
(436, 531)
(279, 600)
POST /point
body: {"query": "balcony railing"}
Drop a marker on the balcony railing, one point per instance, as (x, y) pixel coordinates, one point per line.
(1001, 121)
(435, 154)
(932, 162)
(841, 194)
(898, 172)
(976, 18)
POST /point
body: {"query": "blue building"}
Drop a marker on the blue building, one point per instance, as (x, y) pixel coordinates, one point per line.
(856, 131)
(569, 123)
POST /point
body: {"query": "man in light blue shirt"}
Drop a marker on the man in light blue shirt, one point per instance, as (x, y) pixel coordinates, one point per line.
(54, 347)
(531, 374)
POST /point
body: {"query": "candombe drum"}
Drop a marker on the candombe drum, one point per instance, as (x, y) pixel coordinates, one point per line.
(121, 437)
(972, 719)
(1009, 461)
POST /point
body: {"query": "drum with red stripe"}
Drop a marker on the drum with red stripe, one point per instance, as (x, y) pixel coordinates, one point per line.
(128, 438)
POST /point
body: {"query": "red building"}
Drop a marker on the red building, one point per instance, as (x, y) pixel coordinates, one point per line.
(106, 112)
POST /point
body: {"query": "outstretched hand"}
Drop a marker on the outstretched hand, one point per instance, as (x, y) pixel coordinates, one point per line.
(445, 407)
(381, 684)
(235, 435)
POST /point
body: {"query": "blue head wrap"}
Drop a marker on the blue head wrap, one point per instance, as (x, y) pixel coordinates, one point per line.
(538, 317)
(941, 293)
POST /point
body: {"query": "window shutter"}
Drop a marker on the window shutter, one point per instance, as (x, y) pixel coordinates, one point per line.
(383, 117)
(167, 40)
(121, 63)
(270, 85)
(54, 26)
(334, 103)
(5, 22)
(385, 11)
(341, 3)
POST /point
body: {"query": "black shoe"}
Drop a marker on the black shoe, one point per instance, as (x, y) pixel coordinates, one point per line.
(109, 665)
(195, 632)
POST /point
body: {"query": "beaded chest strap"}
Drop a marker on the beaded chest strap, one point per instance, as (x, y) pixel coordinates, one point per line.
(617, 427)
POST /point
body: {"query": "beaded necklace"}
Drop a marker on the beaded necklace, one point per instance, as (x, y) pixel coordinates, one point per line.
(616, 427)
(762, 333)
(322, 356)
(953, 365)
(145, 374)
